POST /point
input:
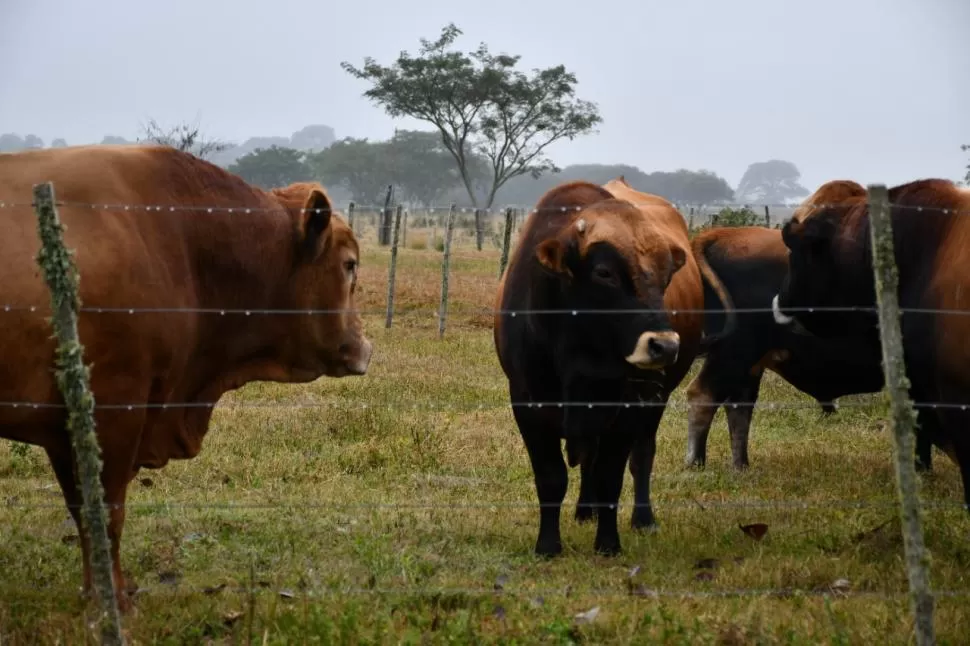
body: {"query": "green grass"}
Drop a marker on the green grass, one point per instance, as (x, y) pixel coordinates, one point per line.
(412, 520)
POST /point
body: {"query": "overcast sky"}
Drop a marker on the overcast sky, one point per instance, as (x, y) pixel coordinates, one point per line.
(872, 90)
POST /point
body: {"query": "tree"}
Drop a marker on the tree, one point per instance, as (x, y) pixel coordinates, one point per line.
(355, 164)
(184, 137)
(272, 167)
(59, 143)
(423, 168)
(480, 103)
(770, 182)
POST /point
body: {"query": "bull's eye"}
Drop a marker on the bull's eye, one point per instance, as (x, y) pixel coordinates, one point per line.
(604, 274)
(350, 265)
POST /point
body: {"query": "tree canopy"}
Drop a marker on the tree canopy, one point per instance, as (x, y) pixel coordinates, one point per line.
(966, 178)
(272, 167)
(481, 104)
(770, 182)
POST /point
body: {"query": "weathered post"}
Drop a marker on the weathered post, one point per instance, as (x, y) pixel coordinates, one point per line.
(479, 228)
(350, 218)
(445, 261)
(73, 380)
(384, 228)
(767, 217)
(507, 240)
(903, 415)
(392, 270)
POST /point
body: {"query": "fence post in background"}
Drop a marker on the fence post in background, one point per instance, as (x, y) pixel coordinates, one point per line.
(903, 415)
(404, 228)
(479, 228)
(507, 240)
(350, 217)
(60, 274)
(445, 261)
(767, 217)
(392, 270)
(384, 228)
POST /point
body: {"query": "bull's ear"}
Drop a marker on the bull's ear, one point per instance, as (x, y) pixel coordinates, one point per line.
(679, 257)
(315, 218)
(549, 253)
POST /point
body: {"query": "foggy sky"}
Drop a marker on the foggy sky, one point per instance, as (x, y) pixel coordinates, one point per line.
(870, 90)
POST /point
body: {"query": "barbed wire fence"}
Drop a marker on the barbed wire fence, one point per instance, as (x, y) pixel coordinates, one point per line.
(81, 407)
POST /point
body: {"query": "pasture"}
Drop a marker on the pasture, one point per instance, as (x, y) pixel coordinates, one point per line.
(400, 508)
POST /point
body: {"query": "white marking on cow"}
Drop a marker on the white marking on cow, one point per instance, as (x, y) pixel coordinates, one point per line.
(581, 225)
(780, 317)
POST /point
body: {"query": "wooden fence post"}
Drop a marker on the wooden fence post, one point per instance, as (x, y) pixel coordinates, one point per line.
(507, 240)
(384, 228)
(445, 261)
(479, 228)
(73, 380)
(404, 228)
(903, 415)
(350, 218)
(767, 217)
(392, 270)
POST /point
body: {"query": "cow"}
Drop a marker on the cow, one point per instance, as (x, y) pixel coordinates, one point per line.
(742, 269)
(830, 266)
(220, 250)
(564, 332)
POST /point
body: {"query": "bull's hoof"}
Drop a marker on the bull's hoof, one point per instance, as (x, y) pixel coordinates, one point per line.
(695, 462)
(741, 465)
(608, 546)
(585, 513)
(548, 548)
(642, 518)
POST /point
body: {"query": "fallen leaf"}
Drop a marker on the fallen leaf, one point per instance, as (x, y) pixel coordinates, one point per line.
(635, 570)
(286, 594)
(232, 617)
(841, 585)
(754, 530)
(588, 616)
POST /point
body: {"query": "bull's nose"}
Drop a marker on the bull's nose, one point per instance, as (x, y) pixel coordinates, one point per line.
(359, 362)
(655, 350)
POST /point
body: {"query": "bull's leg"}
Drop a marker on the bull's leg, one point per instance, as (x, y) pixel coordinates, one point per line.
(641, 467)
(739, 409)
(608, 471)
(551, 479)
(587, 504)
(700, 415)
(115, 486)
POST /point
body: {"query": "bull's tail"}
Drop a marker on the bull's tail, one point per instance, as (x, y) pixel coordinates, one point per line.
(699, 246)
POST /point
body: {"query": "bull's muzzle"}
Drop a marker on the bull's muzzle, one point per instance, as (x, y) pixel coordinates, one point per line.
(358, 361)
(655, 350)
(780, 317)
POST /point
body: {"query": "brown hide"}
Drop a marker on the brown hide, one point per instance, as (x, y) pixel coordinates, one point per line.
(275, 257)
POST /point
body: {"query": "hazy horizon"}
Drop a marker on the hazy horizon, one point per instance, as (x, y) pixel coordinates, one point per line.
(871, 91)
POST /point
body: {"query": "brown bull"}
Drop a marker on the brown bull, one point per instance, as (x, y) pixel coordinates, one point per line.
(287, 253)
(830, 266)
(613, 268)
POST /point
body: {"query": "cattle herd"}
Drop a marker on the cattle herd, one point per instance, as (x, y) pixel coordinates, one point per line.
(604, 306)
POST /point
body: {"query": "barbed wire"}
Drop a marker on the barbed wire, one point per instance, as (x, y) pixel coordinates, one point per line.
(480, 311)
(655, 502)
(629, 588)
(171, 208)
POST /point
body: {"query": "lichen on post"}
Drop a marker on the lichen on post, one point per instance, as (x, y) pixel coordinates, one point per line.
(903, 415)
(61, 275)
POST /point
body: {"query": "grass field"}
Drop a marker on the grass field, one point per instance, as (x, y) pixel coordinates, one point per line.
(400, 508)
